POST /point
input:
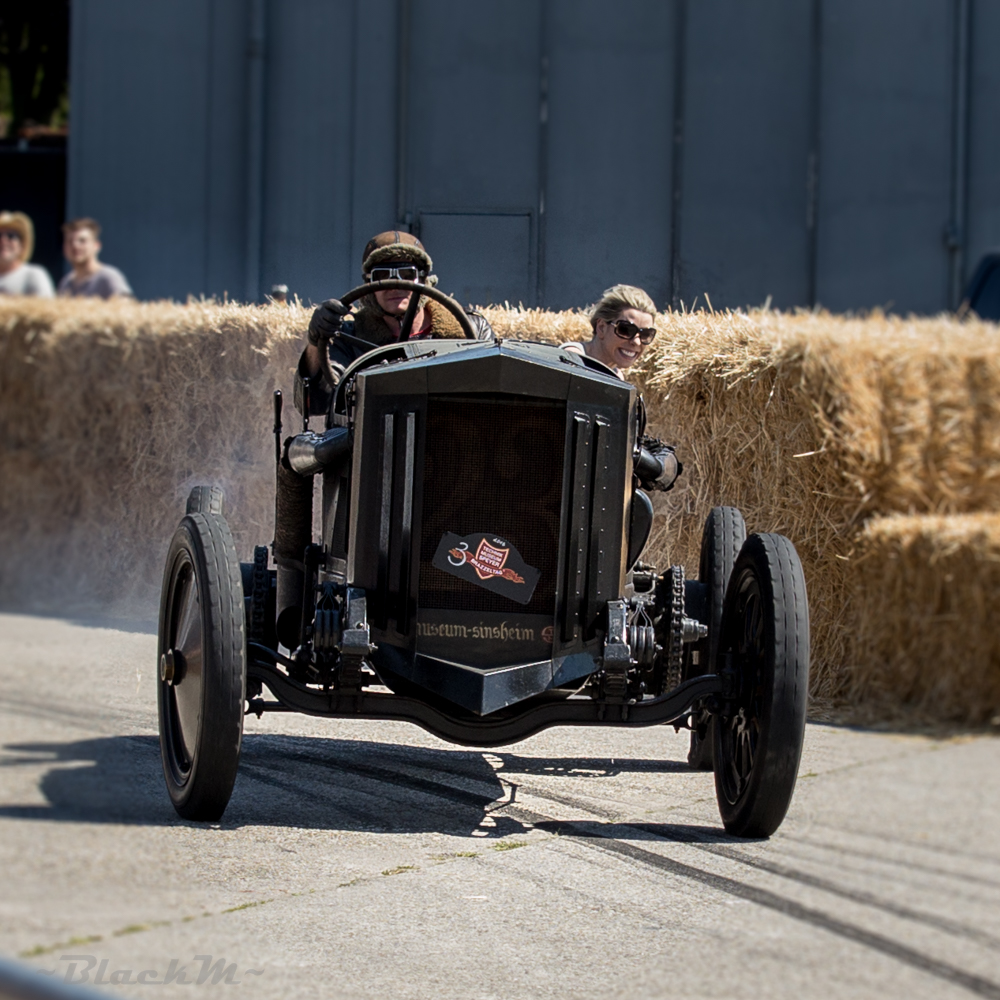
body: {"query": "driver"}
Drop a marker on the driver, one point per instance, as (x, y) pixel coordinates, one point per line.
(393, 254)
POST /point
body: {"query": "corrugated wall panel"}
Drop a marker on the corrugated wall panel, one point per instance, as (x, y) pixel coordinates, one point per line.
(308, 133)
(160, 152)
(226, 138)
(747, 127)
(608, 178)
(140, 124)
(470, 164)
(473, 105)
(373, 180)
(885, 169)
(983, 212)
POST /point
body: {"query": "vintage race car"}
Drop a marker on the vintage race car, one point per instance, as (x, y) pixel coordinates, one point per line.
(478, 573)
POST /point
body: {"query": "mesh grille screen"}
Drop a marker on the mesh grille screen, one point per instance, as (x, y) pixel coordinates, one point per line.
(492, 465)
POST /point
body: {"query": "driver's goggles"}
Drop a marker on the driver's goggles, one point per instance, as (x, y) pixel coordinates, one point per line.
(626, 330)
(405, 273)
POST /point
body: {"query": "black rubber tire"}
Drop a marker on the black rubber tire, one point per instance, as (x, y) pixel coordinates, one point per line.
(202, 616)
(721, 540)
(206, 500)
(765, 635)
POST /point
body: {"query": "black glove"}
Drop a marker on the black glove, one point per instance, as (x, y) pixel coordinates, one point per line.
(670, 466)
(325, 321)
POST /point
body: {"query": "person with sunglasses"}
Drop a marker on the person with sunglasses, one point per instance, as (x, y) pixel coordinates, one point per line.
(623, 327)
(377, 321)
(17, 276)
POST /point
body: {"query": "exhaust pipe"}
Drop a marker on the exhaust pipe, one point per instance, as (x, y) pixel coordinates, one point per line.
(308, 453)
(304, 455)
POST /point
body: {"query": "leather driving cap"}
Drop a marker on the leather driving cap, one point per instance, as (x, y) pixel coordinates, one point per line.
(395, 245)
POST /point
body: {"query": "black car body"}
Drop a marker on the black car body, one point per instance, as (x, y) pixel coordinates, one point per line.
(517, 452)
(477, 572)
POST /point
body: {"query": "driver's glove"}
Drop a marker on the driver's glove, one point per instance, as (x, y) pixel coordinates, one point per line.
(325, 321)
(670, 466)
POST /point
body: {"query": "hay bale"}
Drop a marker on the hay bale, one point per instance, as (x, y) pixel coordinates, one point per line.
(109, 413)
(926, 598)
(813, 424)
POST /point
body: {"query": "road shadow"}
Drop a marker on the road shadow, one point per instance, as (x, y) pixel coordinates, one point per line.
(303, 782)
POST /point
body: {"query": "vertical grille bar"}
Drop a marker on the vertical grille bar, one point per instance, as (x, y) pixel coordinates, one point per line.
(597, 583)
(579, 527)
(406, 535)
(385, 513)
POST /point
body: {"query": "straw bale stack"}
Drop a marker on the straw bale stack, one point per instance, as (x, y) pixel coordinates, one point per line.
(814, 425)
(927, 598)
(109, 413)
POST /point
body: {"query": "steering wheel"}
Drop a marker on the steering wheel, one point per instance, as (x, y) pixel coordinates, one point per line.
(391, 284)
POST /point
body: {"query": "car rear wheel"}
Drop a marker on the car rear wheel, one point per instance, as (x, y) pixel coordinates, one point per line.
(721, 540)
(206, 500)
(202, 667)
(764, 640)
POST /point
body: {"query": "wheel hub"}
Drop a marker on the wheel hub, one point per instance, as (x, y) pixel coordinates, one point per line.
(172, 667)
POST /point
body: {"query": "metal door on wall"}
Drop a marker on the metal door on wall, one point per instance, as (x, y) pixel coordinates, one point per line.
(498, 99)
(482, 258)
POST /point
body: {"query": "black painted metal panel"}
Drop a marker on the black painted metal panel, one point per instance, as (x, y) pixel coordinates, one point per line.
(442, 445)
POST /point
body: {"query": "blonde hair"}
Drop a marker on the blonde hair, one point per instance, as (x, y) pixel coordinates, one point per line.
(616, 300)
(19, 223)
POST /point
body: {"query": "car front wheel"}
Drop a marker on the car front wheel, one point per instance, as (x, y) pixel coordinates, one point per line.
(764, 649)
(202, 667)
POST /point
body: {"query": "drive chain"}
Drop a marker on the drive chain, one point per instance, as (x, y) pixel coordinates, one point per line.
(675, 636)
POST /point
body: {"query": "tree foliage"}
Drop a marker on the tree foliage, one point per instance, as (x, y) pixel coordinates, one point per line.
(34, 52)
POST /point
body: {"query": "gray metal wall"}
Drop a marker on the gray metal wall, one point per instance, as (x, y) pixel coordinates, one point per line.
(844, 152)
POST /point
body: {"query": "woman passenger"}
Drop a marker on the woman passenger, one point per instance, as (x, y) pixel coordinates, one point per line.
(623, 327)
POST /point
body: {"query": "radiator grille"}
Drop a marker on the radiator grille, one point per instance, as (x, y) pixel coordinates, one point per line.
(492, 464)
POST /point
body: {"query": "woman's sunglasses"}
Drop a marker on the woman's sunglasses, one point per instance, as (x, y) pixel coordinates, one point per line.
(627, 330)
(405, 273)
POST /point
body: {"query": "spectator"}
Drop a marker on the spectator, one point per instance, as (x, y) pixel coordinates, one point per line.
(17, 276)
(81, 245)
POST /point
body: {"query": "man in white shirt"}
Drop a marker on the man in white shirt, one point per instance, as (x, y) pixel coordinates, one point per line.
(17, 276)
(81, 245)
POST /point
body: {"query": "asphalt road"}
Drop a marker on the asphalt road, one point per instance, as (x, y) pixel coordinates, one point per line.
(372, 860)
